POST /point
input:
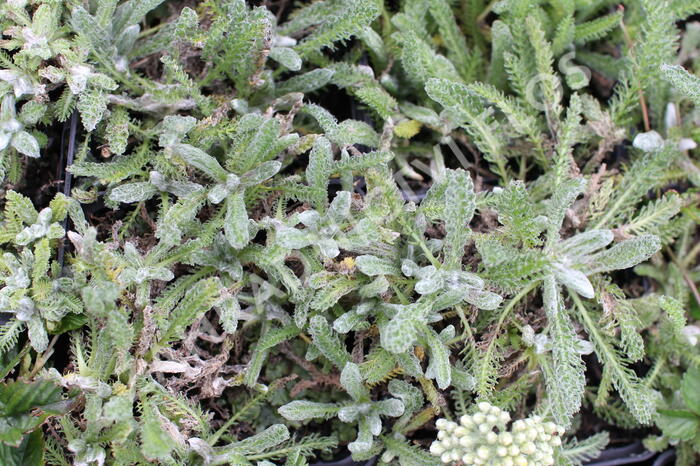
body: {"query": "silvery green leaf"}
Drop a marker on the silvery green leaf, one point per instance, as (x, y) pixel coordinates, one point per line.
(125, 41)
(563, 196)
(411, 396)
(155, 441)
(25, 309)
(373, 421)
(319, 169)
(373, 266)
(351, 380)
(133, 192)
(430, 284)
(459, 210)
(37, 334)
(450, 297)
(459, 279)
(5, 139)
(550, 296)
(354, 132)
(286, 57)
(183, 188)
(26, 144)
(351, 412)
(363, 442)
(584, 243)
(574, 279)
(622, 255)
(200, 160)
(118, 408)
(29, 234)
(270, 437)
(675, 311)
(218, 193)
(339, 209)
(92, 105)
(310, 218)
(300, 410)
(649, 141)
(293, 238)
(409, 362)
(102, 81)
(306, 82)
(583, 347)
(174, 128)
(262, 172)
(8, 112)
(347, 322)
(236, 221)
(399, 334)
(439, 367)
(17, 280)
(202, 448)
(328, 247)
(391, 407)
(327, 342)
(133, 275)
(274, 337)
(229, 312)
(688, 84)
(409, 268)
(376, 287)
(55, 231)
(425, 115)
(447, 334)
(463, 380)
(21, 82)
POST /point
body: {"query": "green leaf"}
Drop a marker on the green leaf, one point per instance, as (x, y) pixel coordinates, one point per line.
(622, 255)
(373, 266)
(690, 389)
(399, 334)
(686, 83)
(307, 82)
(286, 57)
(198, 299)
(327, 342)
(459, 210)
(439, 367)
(675, 311)
(262, 172)
(301, 410)
(92, 104)
(236, 221)
(678, 424)
(342, 25)
(584, 243)
(156, 444)
(133, 192)
(273, 435)
(25, 406)
(574, 279)
(26, 144)
(30, 451)
(351, 380)
(200, 160)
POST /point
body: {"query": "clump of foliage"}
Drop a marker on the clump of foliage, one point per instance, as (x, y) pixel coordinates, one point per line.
(235, 233)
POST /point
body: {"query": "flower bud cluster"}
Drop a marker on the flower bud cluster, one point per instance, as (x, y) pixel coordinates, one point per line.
(483, 439)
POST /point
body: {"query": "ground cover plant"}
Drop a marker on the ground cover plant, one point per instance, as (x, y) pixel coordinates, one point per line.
(284, 232)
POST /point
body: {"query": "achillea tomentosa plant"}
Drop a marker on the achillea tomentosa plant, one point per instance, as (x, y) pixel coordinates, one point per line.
(227, 265)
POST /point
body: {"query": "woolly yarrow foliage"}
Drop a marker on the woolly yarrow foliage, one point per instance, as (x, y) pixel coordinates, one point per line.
(228, 244)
